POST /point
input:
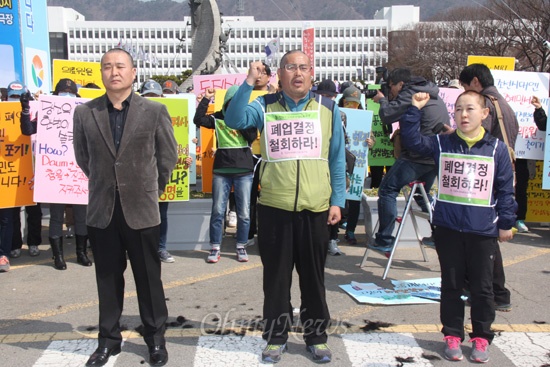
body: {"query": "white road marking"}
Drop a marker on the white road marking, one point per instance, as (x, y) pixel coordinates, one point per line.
(69, 353)
(380, 349)
(231, 350)
(525, 349)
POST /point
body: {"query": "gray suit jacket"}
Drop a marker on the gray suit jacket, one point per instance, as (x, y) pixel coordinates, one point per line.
(141, 168)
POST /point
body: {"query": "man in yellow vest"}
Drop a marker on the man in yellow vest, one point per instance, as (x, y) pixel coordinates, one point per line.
(302, 180)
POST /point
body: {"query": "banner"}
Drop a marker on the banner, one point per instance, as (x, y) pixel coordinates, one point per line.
(80, 72)
(358, 129)
(517, 87)
(58, 179)
(16, 174)
(308, 43)
(494, 62)
(177, 188)
(35, 41)
(11, 67)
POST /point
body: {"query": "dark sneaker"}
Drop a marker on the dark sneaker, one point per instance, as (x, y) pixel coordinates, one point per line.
(320, 353)
(452, 348)
(503, 307)
(374, 246)
(428, 242)
(165, 257)
(350, 237)
(214, 256)
(14, 254)
(480, 354)
(34, 251)
(273, 352)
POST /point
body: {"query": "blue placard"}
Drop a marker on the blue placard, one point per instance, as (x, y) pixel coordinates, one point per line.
(358, 130)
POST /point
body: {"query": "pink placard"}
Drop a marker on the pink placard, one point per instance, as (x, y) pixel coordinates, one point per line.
(58, 179)
(466, 179)
(291, 139)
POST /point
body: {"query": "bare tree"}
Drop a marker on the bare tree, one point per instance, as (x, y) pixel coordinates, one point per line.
(438, 50)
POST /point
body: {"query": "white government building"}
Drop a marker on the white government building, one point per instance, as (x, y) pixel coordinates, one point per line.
(344, 50)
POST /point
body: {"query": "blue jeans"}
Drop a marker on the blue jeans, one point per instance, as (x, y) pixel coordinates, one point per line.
(402, 173)
(221, 187)
(163, 208)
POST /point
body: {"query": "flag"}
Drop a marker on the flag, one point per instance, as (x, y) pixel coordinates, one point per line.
(141, 54)
(272, 48)
(119, 44)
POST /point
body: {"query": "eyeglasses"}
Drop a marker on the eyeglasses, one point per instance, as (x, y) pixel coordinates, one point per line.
(293, 67)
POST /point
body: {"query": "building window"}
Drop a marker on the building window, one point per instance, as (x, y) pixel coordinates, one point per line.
(77, 34)
(71, 34)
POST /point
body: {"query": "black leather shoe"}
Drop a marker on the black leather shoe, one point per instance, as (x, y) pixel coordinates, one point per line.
(158, 355)
(101, 356)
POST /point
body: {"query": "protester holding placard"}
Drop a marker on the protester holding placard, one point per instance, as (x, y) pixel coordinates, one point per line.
(64, 88)
(17, 91)
(303, 187)
(474, 209)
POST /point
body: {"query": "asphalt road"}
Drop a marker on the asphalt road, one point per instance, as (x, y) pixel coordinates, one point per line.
(49, 317)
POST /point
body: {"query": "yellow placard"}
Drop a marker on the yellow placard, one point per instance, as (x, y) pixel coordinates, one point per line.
(538, 200)
(16, 173)
(91, 93)
(80, 72)
(494, 62)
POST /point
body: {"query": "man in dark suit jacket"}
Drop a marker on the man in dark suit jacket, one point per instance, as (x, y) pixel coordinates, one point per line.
(125, 145)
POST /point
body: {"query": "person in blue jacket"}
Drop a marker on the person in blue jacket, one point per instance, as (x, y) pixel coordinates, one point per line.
(474, 209)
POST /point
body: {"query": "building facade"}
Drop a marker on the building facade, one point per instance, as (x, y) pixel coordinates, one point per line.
(344, 50)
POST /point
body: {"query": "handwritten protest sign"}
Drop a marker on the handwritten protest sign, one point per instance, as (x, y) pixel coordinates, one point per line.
(381, 154)
(177, 188)
(358, 130)
(538, 200)
(518, 88)
(449, 97)
(80, 72)
(216, 81)
(192, 131)
(58, 179)
(494, 62)
(16, 173)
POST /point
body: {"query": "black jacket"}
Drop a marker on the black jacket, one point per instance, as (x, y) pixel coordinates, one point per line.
(434, 117)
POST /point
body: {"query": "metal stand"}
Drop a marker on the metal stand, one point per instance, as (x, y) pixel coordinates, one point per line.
(408, 194)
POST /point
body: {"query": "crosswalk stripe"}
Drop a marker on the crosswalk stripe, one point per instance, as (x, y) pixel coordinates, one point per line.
(381, 349)
(69, 353)
(522, 349)
(233, 350)
(525, 349)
